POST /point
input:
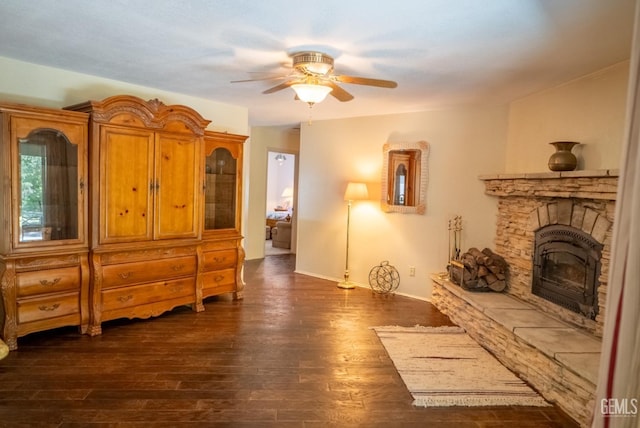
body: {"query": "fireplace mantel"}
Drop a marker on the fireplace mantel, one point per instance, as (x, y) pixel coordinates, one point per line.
(590, 184)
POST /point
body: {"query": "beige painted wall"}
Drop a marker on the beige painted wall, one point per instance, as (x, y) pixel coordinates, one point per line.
(463, 144)
(38, 85)
(590, 110)
(264, 139)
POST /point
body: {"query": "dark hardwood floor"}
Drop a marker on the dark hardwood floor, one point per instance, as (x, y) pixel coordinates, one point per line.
(296, 352)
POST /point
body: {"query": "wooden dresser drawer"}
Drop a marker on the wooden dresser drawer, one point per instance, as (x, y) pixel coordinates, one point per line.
(216, 260)
(219, 278)
(152, 270)
(48, 307)
(48, 281)
(136, 295)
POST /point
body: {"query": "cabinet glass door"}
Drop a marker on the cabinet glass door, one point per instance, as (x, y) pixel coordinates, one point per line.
(220, 190)
(48, 186)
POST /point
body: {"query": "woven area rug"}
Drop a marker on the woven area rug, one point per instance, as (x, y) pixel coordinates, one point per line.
(444, 366)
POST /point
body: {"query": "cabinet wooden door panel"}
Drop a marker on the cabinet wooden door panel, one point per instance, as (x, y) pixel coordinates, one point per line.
(126, 168)
(178, 178)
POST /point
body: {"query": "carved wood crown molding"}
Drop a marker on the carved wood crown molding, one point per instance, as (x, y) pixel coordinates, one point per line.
(154, 114)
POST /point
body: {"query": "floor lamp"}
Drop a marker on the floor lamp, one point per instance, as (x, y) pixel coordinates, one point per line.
(354, 192)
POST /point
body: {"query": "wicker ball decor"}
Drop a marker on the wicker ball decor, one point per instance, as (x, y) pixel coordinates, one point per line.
(384, 278)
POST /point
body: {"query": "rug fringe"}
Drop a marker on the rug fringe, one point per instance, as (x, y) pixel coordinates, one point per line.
(467, 402)
(420, 328)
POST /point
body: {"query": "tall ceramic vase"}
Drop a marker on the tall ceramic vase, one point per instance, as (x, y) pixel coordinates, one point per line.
(563, 159)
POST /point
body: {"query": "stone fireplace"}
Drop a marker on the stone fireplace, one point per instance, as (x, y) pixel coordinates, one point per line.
(554, 229)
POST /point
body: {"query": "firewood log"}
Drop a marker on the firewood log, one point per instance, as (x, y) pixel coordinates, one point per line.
(490, 278)
(482, 271)
(478, 255)
(498, 285)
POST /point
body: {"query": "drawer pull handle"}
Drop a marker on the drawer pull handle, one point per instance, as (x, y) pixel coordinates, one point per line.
(219, 259)
(46, 283)
(175, 288)
(49, 308)
(125, 275)
(177, 268)
(123, 299)
(218, 278)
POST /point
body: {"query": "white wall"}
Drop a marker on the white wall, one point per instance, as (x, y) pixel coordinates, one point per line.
(263, 140)
(464, 143)
(590, 110)
(43, 86)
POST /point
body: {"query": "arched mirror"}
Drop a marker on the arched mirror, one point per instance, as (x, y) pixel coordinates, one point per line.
(404, 177)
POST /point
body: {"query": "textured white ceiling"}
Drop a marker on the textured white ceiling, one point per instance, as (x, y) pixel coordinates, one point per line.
(441, 52)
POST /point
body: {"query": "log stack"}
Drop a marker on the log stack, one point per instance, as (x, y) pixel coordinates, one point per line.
(481, 271)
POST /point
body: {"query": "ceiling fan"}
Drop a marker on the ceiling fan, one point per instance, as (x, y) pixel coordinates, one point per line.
(312, 79)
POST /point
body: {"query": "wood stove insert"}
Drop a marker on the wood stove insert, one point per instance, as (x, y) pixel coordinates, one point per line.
(566, 268)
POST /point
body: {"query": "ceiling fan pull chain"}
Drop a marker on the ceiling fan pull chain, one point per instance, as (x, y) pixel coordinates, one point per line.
(310, 114)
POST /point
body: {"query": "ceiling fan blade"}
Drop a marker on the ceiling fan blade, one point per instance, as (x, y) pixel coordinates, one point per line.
(279, 87)
(366, 81)
(339, 93)
(260, 79)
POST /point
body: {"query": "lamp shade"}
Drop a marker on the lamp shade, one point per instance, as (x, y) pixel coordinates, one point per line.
(356, 191)
(287, 192)
(311, 93)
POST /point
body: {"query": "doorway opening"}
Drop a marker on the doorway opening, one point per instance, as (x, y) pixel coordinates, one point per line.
(280, 203)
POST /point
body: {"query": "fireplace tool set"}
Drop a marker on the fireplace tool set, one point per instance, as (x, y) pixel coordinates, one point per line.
(455, 266)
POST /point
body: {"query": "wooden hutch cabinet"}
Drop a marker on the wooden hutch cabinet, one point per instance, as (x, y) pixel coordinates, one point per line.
(44, 270)
(148, 199)
(222, 252)
(145, 205)
(120, 208)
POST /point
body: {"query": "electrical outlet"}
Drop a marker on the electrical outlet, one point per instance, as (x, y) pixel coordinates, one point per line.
(412, 271)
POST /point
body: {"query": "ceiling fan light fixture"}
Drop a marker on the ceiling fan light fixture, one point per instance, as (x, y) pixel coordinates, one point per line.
(311, 93)
(313, 63)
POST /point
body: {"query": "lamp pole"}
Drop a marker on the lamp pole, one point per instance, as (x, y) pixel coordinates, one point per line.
(346, 283)
(354, 192)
